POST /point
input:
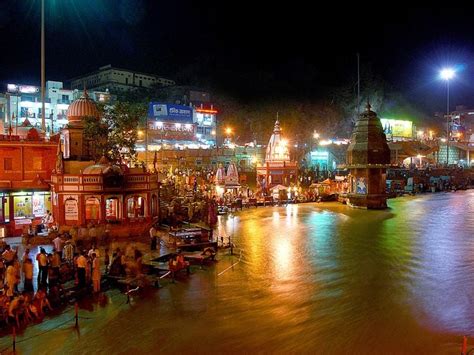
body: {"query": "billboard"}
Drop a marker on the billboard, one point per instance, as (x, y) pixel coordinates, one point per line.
(169, 112)
(397, 128)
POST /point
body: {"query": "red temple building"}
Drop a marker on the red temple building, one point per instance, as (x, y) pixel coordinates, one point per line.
(84, 191)
(278, 168)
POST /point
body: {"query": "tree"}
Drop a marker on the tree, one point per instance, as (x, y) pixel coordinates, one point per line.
(115, 133)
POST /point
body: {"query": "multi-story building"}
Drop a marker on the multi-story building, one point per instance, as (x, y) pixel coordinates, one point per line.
(117, 80)
(25, 177)
(23, 102)
(179, 126)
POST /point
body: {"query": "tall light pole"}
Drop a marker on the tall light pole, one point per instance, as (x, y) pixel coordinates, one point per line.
(447, 74)
(43, 113)
(146, 143)
(228, 132)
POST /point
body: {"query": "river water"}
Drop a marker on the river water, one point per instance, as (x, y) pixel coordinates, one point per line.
(315, 278)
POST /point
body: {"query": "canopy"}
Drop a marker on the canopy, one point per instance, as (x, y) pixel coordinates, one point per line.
(279, 187)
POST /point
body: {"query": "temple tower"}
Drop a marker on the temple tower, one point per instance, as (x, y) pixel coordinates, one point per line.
(368, 156)
(76, 146)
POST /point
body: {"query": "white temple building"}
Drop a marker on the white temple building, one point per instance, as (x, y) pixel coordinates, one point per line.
(278, 168)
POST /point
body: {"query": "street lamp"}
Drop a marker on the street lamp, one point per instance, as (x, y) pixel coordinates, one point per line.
(43, 113)
(140, 134)
(447, 74)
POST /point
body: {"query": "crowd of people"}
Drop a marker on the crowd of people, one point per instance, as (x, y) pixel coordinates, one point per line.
(19, 303)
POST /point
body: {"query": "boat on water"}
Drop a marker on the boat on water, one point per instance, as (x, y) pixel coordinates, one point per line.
(191, 239)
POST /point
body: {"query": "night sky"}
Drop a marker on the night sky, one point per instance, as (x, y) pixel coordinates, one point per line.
(241, 50)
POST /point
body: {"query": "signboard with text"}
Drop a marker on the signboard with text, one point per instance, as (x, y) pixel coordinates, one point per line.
(168, 112)
(397, 128)
(71, 209)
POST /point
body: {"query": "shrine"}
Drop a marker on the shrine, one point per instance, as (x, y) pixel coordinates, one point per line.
(368, 156)
(278, 168)
(84, 191)
(227, 181)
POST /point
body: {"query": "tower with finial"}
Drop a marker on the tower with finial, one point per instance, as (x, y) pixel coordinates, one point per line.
(278, 168)
(367, 158)
(76, 146)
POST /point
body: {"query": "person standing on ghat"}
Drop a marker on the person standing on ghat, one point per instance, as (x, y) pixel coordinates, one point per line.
(95, 273)
(81, 270)
(152, 232)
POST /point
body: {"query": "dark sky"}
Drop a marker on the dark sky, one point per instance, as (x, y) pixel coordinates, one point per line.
(243, 50)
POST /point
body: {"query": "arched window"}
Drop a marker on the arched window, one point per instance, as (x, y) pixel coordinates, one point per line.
(112, 208)
(135, 207)
(92, 208)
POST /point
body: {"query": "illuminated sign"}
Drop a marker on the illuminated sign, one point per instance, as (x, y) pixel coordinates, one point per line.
(24, 89)
(201, 110)
(204, 119)
(319, 155)
(397, 128)
(167, 112)
(171, 131)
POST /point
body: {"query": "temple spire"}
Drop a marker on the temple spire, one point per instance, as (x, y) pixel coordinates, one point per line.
(59, 160)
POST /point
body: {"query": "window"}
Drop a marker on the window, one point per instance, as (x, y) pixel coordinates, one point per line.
(136, 207)
(7, 164)
(126, 81)
(92, 208)
(140, 83)
(37, 164)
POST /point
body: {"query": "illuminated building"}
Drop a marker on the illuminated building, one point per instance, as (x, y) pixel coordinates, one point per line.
(84, 191)
(278, 168)
(178, 127)
(23, 102)
(118, 80)
(25, 173)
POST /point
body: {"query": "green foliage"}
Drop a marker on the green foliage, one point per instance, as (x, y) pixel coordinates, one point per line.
(115, 134)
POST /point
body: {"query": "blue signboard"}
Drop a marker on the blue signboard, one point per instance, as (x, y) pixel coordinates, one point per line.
(169, 112)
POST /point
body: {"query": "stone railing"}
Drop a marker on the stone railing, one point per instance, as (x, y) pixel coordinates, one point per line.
(71, 180)
(91, 179)
(136, 178)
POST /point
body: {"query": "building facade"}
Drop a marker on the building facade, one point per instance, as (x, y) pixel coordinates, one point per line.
(179, 126)
(278, 168)
(23, 102)
(25, 174)
(85, 192)
(118, 80)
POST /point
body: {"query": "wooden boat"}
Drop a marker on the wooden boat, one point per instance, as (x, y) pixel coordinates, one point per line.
(191, 239)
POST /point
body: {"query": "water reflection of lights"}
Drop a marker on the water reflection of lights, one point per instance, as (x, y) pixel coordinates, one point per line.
(276, 217)
(283, 258)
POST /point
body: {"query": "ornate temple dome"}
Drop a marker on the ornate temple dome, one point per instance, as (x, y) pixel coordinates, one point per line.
(104, 167)
(368, 142)
(277, 149)
(82, 107)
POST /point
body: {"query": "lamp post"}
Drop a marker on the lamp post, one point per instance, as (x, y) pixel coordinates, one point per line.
(146, 143)
(43, 124)
(228, 132)
(447, 74)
